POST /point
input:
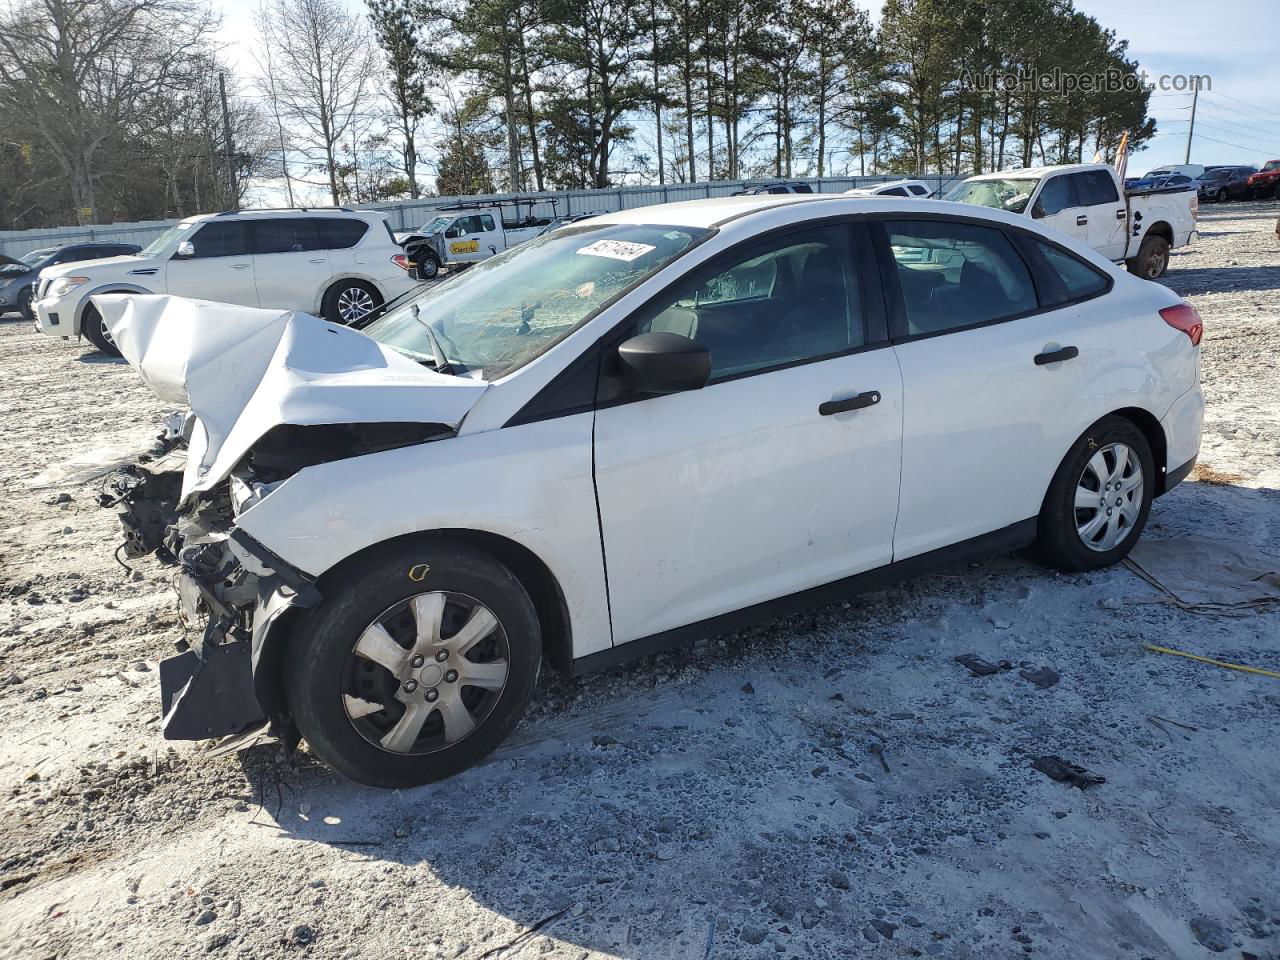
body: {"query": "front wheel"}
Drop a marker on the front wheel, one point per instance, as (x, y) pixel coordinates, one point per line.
(25, 296)
(1099, 499)
(350, 301)
(428, 266)
(416, 665)
(1152, 260)
(96, 332)
(1220, 196)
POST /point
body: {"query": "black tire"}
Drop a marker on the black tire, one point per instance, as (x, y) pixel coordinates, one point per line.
(323, 670)
(350, 302)
(96, 333)
(428, 266)
(1060, 543)
(1152, 260)
(24, 304)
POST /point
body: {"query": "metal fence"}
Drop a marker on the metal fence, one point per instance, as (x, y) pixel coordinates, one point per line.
(409, 214)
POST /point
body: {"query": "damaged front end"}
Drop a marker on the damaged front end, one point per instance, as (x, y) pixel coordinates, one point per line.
(231, 590)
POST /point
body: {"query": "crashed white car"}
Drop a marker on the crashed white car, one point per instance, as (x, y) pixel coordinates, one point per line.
(656, 425)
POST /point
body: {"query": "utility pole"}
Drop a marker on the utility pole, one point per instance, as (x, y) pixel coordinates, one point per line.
(1191, 129)
(230, 148)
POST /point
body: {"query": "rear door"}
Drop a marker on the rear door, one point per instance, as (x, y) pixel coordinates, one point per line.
(782, 473)
(1106, 212)
(986, 415)
(221, 268)
(290, 263)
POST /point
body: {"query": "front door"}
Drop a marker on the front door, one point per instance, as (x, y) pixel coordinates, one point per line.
(473, 237)
(220, 268)
(779, 475)
(1058, 206)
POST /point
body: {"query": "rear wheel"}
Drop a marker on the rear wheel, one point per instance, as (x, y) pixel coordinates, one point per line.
(1099, 499)
(96, 332)
(415, 666)
(350, 301)
(1152, 260)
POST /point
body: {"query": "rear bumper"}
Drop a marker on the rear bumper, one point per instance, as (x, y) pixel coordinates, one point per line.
(1182, 428)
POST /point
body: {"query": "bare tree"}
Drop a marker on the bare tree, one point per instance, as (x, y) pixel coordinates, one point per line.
(78, 72)
(323, 66)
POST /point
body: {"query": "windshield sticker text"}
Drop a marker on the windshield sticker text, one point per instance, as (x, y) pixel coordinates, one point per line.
(616, 249)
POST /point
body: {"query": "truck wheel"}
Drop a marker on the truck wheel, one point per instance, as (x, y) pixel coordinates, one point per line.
(1152, 259)
(350, 301)
(428, 266)
(416, 665)
(95, 331)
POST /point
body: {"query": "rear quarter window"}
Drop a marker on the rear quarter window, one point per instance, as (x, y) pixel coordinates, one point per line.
(338, 233)
(1079, 280)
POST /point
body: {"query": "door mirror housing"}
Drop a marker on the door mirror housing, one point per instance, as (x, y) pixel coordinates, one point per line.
(662, 362)
(186, 249)
(1038, 211)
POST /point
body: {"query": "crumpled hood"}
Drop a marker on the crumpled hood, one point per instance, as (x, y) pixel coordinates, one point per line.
(244, 370)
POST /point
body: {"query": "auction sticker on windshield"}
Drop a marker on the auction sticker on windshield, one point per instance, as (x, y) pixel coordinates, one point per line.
(616, 249)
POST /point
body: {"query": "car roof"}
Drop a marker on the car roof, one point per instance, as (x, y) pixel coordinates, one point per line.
(1040, 172)
(287, 212)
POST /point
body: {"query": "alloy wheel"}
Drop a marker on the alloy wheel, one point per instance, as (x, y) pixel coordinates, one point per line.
(426, 673)
(1155, 263)
(1108, 497)
(355, 303)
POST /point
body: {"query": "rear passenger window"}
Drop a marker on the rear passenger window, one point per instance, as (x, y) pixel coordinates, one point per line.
(227, 239)
(285, 235)
(784, 300)
(955, 275)
(893, 192)
(1095, 187)
(337, 233)
(1078, 278)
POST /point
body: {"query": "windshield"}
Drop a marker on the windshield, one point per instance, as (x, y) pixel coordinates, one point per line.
(1005, 193)
(1271, 165)
(35, 256)
(501, 313)
(435, 224)
(162, 243)
(1214, 175)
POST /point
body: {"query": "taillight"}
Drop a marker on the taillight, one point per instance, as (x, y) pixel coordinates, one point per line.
(401, 261)
(1184, 317)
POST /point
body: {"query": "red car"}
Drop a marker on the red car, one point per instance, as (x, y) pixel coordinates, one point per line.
(1265, 182)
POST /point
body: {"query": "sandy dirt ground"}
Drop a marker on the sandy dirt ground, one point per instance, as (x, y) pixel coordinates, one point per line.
(831, 785)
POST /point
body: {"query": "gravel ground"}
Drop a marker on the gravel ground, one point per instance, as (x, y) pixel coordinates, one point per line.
(831, 785)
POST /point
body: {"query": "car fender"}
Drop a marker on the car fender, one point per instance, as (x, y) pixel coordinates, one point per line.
(118, 286)
(530, 484)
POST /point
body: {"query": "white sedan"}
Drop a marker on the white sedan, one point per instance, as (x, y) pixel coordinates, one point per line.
(633, 431)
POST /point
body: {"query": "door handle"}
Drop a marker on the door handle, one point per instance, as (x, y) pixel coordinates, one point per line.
(1120, 214)
(239, 266)
(868, 399)
(1081, 220)
(321, 260)
(1056, 356)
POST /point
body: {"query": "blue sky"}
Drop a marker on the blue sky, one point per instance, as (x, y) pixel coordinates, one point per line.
(1237, 121)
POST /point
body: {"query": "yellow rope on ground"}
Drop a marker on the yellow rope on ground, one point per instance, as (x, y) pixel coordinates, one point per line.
(1217, 663)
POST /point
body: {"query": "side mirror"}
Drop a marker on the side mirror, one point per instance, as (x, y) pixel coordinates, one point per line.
(186, 249)
(1037, 211)
(665, 363)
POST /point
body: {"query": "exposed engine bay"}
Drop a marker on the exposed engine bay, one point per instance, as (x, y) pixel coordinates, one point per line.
(228, 594)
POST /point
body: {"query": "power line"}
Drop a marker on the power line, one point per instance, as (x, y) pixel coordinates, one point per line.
(1265, 143)
(1244, 102)
(1265, 153)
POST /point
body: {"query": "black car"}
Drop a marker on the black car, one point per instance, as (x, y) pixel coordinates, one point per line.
(18, 277)
(1220, 184)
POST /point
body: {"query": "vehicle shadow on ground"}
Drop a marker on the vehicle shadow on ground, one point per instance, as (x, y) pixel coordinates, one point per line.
(1189, 281)
(99, 359)
(804, 780)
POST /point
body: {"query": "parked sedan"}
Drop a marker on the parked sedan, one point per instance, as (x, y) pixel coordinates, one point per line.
(1220, 184)
(18, 278)
(657, 425)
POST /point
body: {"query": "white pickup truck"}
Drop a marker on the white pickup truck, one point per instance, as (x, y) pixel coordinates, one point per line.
(468, 233)
(1088, 202)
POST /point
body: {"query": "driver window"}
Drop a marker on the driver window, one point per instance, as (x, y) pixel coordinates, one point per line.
(1057, 195)
(786, 300)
